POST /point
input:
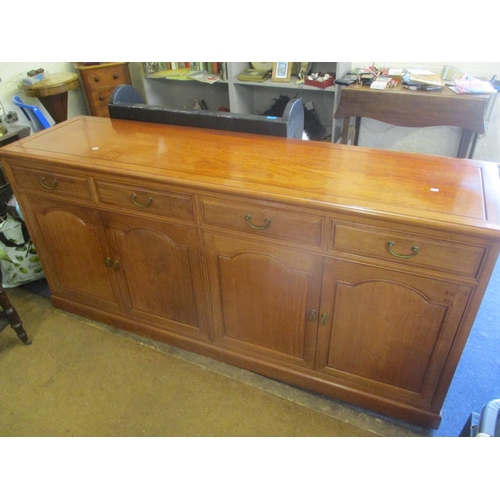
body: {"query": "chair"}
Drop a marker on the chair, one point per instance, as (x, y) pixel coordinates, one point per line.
(33, 114)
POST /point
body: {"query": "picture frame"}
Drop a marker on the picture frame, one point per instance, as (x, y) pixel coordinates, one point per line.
(282, 72)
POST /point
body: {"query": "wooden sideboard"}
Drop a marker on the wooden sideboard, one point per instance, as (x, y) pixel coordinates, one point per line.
(351, 272)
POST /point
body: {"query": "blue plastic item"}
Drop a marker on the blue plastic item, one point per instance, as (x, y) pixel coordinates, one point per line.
(33, 114)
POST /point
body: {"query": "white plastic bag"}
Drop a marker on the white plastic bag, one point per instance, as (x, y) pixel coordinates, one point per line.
(18, 258)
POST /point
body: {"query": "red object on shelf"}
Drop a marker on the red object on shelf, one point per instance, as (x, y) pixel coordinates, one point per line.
(322, 85)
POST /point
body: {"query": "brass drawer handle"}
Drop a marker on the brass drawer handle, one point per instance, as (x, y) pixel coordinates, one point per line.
(267, 222)
(414, 250)
(149, 200)
(47, 186)
(115, 264)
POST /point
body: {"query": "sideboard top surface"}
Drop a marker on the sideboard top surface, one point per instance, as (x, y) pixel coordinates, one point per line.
(437, 189)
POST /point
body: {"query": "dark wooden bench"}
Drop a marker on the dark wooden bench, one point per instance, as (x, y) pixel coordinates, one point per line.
(126, 103)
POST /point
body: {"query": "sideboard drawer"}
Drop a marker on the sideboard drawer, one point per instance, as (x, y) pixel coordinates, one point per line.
(263, 221)
(52, 182)
(446, 256)
(167, 203)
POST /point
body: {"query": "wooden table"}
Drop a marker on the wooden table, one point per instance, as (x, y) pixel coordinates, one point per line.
(53, 93)
(410, 108)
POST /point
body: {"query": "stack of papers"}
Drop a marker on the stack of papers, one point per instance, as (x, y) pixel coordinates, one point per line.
(424, 78)
(472, 85)
(186, 74)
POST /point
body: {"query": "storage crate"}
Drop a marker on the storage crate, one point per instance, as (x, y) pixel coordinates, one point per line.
(321, 85)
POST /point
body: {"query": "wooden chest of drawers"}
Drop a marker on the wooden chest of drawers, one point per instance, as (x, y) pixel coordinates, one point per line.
(351, 272)
(98, 82)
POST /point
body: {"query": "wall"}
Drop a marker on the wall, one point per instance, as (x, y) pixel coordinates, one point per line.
(434, 140)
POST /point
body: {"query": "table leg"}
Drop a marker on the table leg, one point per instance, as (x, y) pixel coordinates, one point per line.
(345, 130)
(473, 146)
(465, 142)
(358, 126)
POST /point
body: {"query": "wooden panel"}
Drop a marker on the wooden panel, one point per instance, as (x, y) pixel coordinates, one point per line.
(433, 254)
(263, 298)
(52, 182)
(102, 111)
(73, 248)
(159, 272)
(267, 221)
(167, 203)
(388, 331)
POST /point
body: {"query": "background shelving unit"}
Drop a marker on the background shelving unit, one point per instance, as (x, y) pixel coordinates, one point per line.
(181, 94)
(249, 97)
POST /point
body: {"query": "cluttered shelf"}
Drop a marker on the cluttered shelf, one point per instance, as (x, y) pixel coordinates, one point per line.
(247, 88)
(187, 85)
(207, 72)
(295, 83)
(267, 75)
(288, 75)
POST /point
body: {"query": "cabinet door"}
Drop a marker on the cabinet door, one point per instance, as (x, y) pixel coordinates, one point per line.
(74, 251)
(157, 265)
(264, 298)
(387, 332)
